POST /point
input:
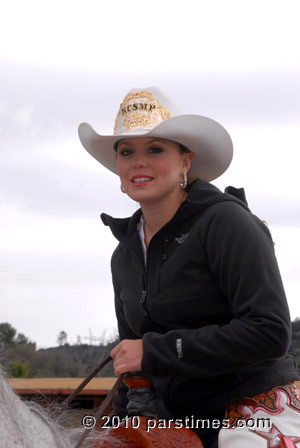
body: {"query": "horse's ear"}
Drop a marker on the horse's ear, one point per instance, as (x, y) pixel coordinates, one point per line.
(239, 193)
(266, 224)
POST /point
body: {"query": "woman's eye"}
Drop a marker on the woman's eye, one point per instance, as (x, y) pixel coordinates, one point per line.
(125, 152)
(155, 149)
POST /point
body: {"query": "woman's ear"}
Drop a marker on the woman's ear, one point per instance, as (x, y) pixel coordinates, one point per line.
(187, 160)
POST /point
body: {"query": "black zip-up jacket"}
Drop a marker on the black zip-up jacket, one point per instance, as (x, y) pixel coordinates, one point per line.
(210, 304)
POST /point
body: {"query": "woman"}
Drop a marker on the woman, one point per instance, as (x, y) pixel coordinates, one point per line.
(199, 299)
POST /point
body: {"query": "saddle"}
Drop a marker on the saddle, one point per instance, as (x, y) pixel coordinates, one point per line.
(147, 430)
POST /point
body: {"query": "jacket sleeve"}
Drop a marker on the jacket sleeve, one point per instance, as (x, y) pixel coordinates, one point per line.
(240, 254)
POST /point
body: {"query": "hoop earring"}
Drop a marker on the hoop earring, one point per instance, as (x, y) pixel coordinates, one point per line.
(183, 183)
(122, 189)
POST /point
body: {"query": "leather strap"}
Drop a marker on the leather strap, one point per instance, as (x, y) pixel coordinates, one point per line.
(71, 397)
(101, 409)
(104, 404)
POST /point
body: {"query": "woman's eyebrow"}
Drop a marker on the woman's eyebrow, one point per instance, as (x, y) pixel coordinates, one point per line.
(125, 144)
(154, 141)
(157, 140)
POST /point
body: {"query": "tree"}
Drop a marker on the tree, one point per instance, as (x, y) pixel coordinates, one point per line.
(62, 338)
(7, 334)
(21, 339)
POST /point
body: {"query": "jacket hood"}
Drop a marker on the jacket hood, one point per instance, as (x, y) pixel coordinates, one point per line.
(201, 195)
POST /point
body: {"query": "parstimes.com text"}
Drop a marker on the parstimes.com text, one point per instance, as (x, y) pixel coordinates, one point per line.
(191, 422)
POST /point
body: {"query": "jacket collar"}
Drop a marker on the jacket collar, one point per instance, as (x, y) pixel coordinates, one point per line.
(201, 195)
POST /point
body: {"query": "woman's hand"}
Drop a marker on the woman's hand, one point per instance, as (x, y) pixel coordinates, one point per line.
(127, 356)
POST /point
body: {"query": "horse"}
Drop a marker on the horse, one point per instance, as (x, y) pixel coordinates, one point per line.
(28, 425)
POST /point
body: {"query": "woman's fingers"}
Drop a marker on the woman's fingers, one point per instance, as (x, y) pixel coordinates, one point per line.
(127, 356)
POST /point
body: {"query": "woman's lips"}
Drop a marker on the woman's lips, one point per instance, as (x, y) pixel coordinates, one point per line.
(141, 180)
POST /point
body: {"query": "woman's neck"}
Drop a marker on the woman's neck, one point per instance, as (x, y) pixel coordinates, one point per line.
(157, 214)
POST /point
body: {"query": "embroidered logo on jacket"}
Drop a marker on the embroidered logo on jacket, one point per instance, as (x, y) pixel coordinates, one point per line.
(181, 239)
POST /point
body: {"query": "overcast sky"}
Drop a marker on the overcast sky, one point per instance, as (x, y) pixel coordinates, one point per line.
(65, 62)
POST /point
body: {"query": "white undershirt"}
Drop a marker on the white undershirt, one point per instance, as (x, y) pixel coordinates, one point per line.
(142, 236)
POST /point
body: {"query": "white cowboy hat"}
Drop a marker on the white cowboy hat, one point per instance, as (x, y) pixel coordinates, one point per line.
(148, 112)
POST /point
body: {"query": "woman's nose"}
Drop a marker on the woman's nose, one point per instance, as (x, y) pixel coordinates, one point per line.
(139, 161)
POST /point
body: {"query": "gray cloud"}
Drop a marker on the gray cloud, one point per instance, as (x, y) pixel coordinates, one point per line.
(60, 99)
(42, 107)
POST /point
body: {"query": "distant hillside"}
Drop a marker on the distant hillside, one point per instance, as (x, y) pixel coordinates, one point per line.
(72, 360)
(21, 359)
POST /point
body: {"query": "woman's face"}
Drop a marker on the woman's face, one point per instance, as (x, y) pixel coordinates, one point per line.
(151, 169)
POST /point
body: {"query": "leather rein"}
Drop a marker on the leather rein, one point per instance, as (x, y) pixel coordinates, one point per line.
(104, 404)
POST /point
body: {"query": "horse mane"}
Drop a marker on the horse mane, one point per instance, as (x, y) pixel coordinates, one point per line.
(25, 424)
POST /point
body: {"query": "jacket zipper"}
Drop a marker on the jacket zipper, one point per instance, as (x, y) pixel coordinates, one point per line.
(146, 275)
(165, 248)
(146, 283)
(143, 299)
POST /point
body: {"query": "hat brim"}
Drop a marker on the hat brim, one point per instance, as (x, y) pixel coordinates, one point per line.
(206, 138)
